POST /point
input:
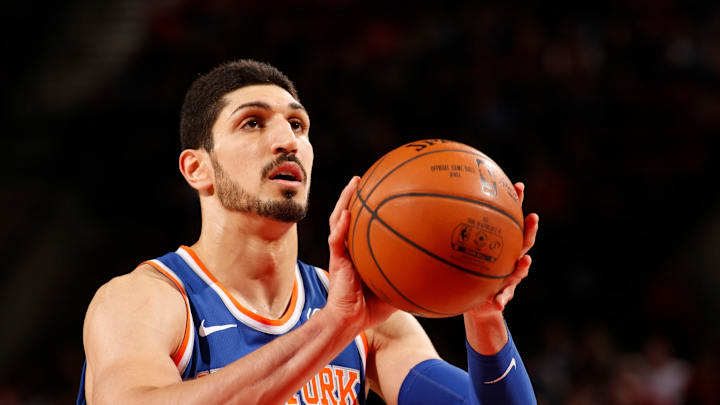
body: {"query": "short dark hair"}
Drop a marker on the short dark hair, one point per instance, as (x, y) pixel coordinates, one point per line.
(204, 99)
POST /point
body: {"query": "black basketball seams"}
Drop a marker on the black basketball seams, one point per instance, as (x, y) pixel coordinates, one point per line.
(358, 190)
(367, 179)
(422, 249)
(401, 164)
(454, 197)
(375, 216)
(387, 280)
(375, 166)
(372, 255)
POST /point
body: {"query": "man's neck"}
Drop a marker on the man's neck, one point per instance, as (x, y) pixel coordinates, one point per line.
(253, 257)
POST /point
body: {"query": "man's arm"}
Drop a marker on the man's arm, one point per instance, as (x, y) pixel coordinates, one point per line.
(404, 368)
(135, 323)
(132, 326)
(395, 347)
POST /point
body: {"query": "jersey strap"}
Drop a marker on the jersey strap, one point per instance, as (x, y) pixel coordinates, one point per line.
(182, 355)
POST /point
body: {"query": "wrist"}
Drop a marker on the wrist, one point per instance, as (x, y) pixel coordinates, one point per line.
(487, 334)
(345, 326)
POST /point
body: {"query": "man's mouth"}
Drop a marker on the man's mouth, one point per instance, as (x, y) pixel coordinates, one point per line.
(287, 171)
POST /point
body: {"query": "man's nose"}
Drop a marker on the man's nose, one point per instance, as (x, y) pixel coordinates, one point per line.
(283, 138)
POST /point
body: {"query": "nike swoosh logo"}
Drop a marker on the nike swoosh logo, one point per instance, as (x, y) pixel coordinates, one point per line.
(205, 331)
(507, 371)
(311, 312)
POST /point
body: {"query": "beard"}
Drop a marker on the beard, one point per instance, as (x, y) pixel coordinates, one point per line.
(235, 198)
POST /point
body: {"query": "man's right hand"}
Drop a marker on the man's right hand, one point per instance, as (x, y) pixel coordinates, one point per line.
(348, 298)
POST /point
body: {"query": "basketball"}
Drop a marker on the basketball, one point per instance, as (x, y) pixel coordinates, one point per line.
(435, 228)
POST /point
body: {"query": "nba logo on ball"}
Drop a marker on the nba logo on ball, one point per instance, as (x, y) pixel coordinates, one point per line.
(436, 227)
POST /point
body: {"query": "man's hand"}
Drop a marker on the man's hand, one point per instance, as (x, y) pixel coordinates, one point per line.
(484, 324)
(522, 267)
(354, 303)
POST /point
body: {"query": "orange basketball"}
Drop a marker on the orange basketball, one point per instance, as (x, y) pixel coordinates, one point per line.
(436, 227)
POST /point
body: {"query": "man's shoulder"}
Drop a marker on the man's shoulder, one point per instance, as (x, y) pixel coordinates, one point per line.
(133, 316)
(143, 284)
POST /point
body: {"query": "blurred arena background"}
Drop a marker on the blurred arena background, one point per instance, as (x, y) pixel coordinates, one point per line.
(608, 112)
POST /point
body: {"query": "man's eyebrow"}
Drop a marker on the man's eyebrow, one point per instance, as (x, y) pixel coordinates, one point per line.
(296, 106)
(265, 106)
(256, 104)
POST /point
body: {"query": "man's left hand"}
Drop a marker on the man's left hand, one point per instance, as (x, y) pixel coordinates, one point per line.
(499, 301)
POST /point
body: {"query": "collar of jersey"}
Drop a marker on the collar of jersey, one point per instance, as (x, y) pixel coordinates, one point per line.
(241, 313)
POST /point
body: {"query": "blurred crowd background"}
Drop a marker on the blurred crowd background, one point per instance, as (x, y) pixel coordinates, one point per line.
(608, 111)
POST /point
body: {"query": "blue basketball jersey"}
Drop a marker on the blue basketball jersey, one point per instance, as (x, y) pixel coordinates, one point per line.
(219, 330)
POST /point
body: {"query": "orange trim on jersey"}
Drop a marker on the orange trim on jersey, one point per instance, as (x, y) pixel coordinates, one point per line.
(365, 343)
(178, 354)
(249, 313)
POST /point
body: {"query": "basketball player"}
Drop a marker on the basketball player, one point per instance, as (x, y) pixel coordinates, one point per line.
(236, 318)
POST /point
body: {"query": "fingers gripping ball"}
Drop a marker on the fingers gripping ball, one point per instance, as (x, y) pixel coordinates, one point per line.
(435, 228)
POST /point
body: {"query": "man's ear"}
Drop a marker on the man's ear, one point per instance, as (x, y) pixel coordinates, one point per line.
(196, 168)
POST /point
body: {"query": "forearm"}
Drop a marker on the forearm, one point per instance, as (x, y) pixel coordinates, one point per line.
(496, 373)
(271, 374)
(500, 378)
(496, 370)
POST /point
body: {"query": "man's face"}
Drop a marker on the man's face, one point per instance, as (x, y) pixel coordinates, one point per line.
(262, 156)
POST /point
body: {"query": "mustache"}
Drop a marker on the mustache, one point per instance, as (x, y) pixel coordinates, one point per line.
(283, 157)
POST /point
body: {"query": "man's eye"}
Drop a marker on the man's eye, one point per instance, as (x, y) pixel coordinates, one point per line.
(251, 124)
(297, 125)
